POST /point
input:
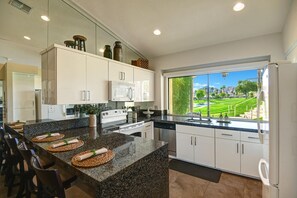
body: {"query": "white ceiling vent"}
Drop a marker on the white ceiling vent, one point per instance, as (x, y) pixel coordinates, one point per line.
(20, 5)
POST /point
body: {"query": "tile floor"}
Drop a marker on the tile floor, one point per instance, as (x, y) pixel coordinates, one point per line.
(229, 186)
(186, 186)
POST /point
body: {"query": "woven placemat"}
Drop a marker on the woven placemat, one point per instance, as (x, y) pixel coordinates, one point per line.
(67, 147)
(93, 161)
(48, 139)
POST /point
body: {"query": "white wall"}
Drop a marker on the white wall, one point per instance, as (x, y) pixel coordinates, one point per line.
(253, 47)
(20, 54)
(290, 33)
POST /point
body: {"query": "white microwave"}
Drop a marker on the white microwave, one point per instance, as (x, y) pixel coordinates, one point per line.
(121, 91)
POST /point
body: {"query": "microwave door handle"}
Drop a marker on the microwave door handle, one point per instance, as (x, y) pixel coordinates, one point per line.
(129, 93)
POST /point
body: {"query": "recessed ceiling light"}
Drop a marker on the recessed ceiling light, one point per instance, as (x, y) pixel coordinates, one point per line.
(101, 50)
(157, 32)
(27, 37)
(238, 6)
(45, 18)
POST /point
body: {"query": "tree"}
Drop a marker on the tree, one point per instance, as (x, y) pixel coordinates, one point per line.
(223, 94)
(200, 94)
(223, 88)
(245, 86)
(181, 95)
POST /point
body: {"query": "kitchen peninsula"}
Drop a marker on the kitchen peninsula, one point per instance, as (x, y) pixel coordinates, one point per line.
(139, 168)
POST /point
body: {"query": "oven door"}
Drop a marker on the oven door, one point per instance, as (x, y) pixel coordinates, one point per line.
(135, 129)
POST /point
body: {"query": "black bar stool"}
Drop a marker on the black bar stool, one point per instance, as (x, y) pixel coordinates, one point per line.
(66, 177)
(52, 183)
(11, 162)
(3, 151)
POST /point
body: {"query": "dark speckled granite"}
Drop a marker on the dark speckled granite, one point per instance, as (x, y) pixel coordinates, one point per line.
(33, 128)
(234, 125)
(139, 169)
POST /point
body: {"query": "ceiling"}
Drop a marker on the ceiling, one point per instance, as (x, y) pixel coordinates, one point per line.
(186, 24)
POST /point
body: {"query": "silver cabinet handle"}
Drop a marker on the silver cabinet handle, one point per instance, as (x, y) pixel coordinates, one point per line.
(124, 76)
(242, 148)
(83, 95)
(88, 95)
(191, 140)
(144, 134)
(121, 75)
(195, 141)
(237, 147)
(255, 138)
(225, 134)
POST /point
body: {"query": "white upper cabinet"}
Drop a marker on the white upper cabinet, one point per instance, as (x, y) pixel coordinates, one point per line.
(73, 77)
(70, 82)
(120, 72)
(144, 85)
(97, 80)
(70, 76)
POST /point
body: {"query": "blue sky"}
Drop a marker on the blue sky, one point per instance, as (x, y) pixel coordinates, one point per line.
(216, 80)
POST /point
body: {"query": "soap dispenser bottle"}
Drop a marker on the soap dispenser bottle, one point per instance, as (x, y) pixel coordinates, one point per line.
(221, 116)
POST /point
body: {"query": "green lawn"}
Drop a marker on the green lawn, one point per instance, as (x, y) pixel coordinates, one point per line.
(232, 106)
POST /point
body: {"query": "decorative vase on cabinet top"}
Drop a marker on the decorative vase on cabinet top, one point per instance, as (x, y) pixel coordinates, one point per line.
(107, 52)
(117, 51)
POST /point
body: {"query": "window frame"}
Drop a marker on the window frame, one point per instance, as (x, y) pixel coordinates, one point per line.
(205, 71)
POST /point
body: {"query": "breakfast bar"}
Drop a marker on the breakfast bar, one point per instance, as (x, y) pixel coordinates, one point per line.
(138, 169)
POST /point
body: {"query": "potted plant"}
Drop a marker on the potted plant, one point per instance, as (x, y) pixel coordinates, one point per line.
(82, 110)
(93, 110)
(76, 110)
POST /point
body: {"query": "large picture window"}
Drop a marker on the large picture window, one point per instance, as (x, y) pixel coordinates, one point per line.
(227, 93)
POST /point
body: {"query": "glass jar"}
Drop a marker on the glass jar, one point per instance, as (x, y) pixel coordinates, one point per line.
(107, 52)
(117, 51)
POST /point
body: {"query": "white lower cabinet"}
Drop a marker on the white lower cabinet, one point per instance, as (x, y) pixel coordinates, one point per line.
(227, 155)
(148, 131)
(238, 152)
(184, 147)
(251, 153)
(195, 148)
(204, 151)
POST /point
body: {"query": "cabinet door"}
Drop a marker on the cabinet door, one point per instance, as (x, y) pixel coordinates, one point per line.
(184, 147)
(71, 77)
(120, 72)
(204, 151)
(44, 79)
(251, 153)
(97, 80)
(228, 155)
(148, 130)
(144, 85)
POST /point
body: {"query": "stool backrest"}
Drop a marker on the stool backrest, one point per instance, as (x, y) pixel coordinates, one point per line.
(50, 178)
(26, 153)
(12, 144)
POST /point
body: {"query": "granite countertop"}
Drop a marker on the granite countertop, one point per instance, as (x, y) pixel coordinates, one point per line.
(247, 126)
(128, 149)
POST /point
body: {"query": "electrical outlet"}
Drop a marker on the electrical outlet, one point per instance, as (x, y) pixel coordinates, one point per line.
(51, 109)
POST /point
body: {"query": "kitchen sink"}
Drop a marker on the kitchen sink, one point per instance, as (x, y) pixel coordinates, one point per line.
(198, 120)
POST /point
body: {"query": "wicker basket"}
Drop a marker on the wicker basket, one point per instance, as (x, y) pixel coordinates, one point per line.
(143, 63)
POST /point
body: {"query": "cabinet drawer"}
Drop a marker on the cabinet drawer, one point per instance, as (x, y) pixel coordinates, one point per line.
(228, 134)
(208, 132)
(250, 137)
